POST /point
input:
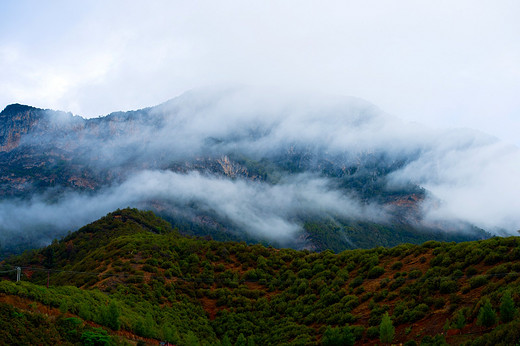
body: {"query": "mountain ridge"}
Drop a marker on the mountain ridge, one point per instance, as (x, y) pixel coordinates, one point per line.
(272, 158)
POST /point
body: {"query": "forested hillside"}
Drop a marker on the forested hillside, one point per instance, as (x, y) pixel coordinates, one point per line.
(129, 277)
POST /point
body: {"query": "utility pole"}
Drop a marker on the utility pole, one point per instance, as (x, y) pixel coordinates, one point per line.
(18, 272)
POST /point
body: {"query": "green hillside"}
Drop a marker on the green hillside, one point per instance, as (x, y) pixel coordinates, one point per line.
(129, 277)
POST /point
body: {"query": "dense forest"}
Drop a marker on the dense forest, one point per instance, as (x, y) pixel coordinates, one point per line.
(129, 278)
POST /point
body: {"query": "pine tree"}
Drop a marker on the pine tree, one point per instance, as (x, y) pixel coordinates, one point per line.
(241, 340)
(225, 341)
(507, 308)
(460, 320)
(487, 317)
(386, 329)
(191, 339)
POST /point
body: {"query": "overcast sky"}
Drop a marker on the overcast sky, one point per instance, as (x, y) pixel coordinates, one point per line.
(441, 63)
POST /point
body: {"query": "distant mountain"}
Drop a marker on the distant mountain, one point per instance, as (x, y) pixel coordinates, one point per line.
(282, 169)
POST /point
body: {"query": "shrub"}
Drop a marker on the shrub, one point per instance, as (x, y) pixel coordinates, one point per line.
(337, 336)
(372, 332)
(95, 337)
(448, 286)
(478, 281)
(471, 271)
(397, 265)
(397, 283)
(375, 272)
(358, 280)
(415, 274)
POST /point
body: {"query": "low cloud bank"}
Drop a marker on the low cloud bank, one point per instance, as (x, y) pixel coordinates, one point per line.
(263, 210)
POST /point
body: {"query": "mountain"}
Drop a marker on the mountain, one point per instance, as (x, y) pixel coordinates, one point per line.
(303, 171)
(129, 277)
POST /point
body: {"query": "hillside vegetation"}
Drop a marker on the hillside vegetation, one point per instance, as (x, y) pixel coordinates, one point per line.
(129, 277)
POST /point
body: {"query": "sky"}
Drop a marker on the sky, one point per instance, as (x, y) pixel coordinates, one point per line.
(446, 64)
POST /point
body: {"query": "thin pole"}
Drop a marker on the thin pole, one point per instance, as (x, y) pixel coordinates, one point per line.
(18, 272)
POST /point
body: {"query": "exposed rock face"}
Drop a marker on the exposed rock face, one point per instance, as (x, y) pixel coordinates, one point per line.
(15, 121)
(41, 149)
(231, 169)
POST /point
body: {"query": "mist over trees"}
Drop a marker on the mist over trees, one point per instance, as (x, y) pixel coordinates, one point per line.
(255, 162)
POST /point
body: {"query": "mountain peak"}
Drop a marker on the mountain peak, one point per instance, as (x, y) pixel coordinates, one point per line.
(16, 108)
(15, 121)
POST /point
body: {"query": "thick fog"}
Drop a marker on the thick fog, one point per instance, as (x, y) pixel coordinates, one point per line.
(469, 177)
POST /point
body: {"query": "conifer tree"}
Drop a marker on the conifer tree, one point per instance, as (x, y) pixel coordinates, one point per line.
(191, 339)
(241, 340)
(487, 317)
(460, 320)
(386, 329)
(225, 341)
(507, 308)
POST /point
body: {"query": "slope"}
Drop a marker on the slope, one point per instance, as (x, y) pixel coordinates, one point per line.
(170, 287)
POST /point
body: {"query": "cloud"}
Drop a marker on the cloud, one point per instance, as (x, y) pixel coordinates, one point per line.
(171, 153)
(473, 177)
(263, 210)
(446, 65)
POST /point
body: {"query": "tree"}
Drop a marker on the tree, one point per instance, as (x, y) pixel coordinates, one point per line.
(94, 337)
(250, 341)
(112, 317)
(241, 340)
(170, 334)
(507, 308)
(487, 317)
(386, 329)
(191, 339)
(225, 341)
(338, 337)
(460, 320)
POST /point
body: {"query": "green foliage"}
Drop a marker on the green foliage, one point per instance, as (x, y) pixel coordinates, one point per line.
(111, 316)
(486, 315)
(478, 281)
(437, 340)
(397, 265)
(225, 341)
(196, 291)
(386, 329)
(375, 272)
(460, 320)
(337, 337)
(507, 308)
(241, 340)
(95, 337)
(448, 286)
(373, 332)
